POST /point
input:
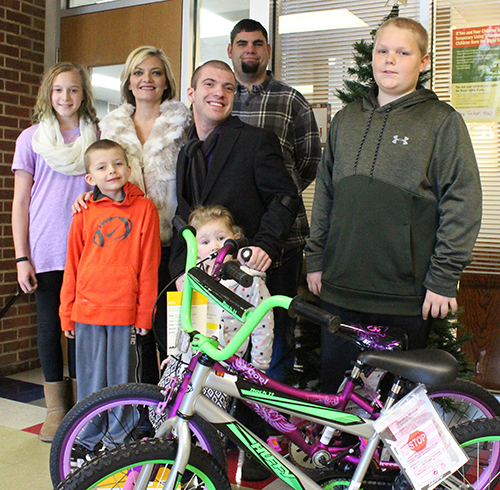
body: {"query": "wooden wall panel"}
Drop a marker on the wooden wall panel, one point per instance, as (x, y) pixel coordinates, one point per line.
(106, 38)
(480, 299)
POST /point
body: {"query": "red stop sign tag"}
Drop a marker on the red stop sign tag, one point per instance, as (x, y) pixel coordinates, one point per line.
(417, 441)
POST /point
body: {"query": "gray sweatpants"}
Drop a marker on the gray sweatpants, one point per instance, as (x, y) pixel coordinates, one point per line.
(105, 356)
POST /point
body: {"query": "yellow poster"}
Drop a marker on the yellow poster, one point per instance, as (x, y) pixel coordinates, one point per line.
(205, 316)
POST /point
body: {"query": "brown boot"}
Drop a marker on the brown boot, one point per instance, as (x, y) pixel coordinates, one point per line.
(58, 401)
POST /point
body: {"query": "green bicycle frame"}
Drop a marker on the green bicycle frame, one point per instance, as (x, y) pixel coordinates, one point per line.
(250, 319)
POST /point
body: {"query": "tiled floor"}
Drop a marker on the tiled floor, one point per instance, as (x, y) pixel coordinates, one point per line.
(24, 459)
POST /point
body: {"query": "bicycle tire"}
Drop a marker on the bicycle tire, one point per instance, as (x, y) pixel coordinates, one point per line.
(470, 401)
(99, 404)
(112, 469)
(480, 439)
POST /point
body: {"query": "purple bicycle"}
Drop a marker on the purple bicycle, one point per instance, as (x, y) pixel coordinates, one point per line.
(319, 453)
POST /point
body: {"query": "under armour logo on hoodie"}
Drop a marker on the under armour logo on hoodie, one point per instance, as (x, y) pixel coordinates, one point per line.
(395, 140)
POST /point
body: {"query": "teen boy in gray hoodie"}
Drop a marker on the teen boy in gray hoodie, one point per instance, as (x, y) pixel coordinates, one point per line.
(397, 206)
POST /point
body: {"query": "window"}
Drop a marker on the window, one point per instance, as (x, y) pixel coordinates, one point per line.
(106, 84)
(87, 6)
(217, 18)
(318, 60)
(102, 3)
(456, 14)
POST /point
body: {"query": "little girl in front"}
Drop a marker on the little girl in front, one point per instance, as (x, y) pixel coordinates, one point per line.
(48, 176)
(214, 225)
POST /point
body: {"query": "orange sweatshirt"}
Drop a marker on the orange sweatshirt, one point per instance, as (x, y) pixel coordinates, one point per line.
(111, 274)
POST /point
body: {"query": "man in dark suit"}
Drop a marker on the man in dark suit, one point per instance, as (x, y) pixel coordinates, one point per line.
(241, 167)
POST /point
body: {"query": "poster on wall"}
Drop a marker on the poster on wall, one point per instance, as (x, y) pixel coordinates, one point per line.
(476, 73)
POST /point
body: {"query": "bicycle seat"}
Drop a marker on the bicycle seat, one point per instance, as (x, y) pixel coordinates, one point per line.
(428, 366)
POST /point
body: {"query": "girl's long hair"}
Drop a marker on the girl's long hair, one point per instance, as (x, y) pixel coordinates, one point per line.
(43, 106)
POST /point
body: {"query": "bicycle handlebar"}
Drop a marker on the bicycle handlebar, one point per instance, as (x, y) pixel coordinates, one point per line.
(238, 307)
(299, 307)
(232, 270)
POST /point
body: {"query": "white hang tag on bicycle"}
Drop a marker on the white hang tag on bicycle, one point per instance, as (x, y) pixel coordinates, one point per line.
(419, 441)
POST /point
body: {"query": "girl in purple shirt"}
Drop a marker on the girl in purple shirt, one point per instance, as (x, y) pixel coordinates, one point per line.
(48, 175)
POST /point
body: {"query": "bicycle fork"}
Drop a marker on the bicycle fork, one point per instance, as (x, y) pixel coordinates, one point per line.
(179, 425)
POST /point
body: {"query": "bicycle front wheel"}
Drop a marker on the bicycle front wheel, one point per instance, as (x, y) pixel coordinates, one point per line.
(113, 416)
(119, 468)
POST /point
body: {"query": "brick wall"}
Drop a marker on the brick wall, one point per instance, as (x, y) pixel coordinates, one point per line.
(22, 26)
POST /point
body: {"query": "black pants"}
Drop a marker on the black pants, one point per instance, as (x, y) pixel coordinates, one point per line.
(338, 354)
(284, 280)
(48, 300)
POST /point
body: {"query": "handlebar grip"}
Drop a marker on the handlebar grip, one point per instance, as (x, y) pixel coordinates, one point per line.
(299, 307)
(231, 270)
(180, 225)
(232, 245)
(241, 242)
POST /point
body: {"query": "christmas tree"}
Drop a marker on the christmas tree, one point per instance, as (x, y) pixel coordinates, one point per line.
(443, 334)
(362, 72)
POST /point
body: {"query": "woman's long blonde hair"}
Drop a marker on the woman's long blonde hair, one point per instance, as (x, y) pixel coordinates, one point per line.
(43, 106)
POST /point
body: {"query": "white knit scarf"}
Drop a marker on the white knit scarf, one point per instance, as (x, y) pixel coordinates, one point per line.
(61, 157)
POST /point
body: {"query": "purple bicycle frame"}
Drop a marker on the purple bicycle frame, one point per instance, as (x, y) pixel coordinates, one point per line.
(274, 418)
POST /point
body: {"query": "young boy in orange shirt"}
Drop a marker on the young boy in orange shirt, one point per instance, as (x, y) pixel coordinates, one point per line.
(111, 277)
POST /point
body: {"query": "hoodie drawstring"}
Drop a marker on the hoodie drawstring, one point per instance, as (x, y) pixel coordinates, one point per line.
(363, 141)
(379, 141)
(386, 115)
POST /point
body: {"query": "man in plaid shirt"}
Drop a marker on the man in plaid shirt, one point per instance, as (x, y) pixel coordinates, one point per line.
(263, 101)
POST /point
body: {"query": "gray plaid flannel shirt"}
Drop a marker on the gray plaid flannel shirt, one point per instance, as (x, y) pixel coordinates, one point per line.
(276, 106)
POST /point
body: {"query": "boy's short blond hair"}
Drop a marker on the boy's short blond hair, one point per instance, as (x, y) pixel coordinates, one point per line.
(204, 214)
(103, 144)
(412, 25)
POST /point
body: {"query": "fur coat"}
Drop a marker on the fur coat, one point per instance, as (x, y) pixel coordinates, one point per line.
(154, 164)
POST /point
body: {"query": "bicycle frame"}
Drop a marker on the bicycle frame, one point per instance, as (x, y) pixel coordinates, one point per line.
(194, 401)
(302, 403)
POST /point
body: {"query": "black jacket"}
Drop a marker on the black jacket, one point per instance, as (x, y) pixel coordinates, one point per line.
(247, 175)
